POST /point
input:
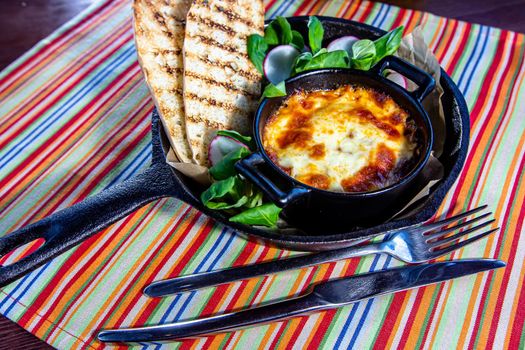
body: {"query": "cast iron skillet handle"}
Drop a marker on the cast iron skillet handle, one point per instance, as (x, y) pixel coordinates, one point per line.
(425, 81)
(68, 227)
(248, 168)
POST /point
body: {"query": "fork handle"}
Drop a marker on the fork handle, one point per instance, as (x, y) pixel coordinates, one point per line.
(208, 279)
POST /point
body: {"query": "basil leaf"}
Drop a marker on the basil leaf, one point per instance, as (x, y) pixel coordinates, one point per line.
(270, 35)
(264, 215)
(297, 40)
(315, 34)
(247, 140)
(300, 62)
(225, 194)
(278, 32)
(255, 199)
(333, 59)
(272, 90)
(388, 43)
(363, 54)
(226, 167)
(257, 48)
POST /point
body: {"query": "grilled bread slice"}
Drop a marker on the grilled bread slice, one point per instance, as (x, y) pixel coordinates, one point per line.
(221, 85)
(159, 35)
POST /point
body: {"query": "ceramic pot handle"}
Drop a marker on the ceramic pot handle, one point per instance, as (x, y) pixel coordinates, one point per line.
(425, 81)
(247, 167)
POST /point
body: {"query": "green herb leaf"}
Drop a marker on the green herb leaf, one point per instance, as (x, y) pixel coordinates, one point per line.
(264, 215)
(226, 167)
(255, 199)
(270, 35)
(300, 62)
(323, 59)
(363, 54)
(388, 43)
(247, 140)
(225, 194)
(257, 48)
(315, 34)
(278, 32)
(297, 40)
(272, 90)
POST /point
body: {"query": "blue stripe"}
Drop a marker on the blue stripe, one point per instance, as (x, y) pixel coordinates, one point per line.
(192, 294)
(357, 305)
(477, 60)
(178, 296)
(64, 108)
(133, 167)
(10, 297)
(34, 277)
(380, 15)
(281, 9)
(387, 12)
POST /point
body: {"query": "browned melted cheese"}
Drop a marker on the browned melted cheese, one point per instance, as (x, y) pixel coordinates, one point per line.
(350, 139)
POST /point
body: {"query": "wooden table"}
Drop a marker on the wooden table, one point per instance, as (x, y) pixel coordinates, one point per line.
(24, 23)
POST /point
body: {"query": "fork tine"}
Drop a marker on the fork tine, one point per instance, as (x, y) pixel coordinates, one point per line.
(458, 226)
(450, 220)
(461, 234)
(446, 250)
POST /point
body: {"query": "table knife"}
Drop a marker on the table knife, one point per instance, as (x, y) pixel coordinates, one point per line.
(324, 295)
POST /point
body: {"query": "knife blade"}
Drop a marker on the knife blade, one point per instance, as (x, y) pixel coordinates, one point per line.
(322, 296)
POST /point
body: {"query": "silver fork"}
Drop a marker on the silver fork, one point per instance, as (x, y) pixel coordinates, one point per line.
(414, 245)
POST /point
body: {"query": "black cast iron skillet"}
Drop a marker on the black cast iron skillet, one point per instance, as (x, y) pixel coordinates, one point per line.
(70, 226)
(317, 210)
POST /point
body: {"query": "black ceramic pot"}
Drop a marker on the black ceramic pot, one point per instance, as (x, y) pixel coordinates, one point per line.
(309, 207)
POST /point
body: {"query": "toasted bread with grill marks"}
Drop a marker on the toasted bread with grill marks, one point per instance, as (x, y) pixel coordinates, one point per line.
(221, 85)
(159, 36)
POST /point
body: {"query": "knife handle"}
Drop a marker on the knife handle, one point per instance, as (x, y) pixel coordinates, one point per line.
(68, 227)
(208, 279)
(216, 324)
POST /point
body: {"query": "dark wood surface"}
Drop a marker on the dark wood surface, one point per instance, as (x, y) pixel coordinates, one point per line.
(24, 23)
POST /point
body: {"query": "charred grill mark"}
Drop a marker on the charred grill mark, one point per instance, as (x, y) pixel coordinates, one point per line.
(212, 102)
(197, 119)
(212, 42)
(172, 70)
(225, 65)
(221, 84)
(212, 24)
(232, 16)
(176, 91)
(166, 52)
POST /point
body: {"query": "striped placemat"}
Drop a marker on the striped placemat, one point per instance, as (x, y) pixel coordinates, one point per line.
(75, 120)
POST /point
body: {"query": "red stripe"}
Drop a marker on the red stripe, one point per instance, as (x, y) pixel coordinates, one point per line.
(270, 4)
(50, 87)
(510, 260)
(152, 272)
(71, 262)
(458, 51)
(326, 318)
(491, 73)
(411, 318)
(366, 13)
(48, 49)
(301, 9)
(519, 318)
(399, 18)
(390, 321)
(54, 101)
(50, 146)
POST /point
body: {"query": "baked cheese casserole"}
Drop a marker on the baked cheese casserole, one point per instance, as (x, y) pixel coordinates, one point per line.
(350, 139)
